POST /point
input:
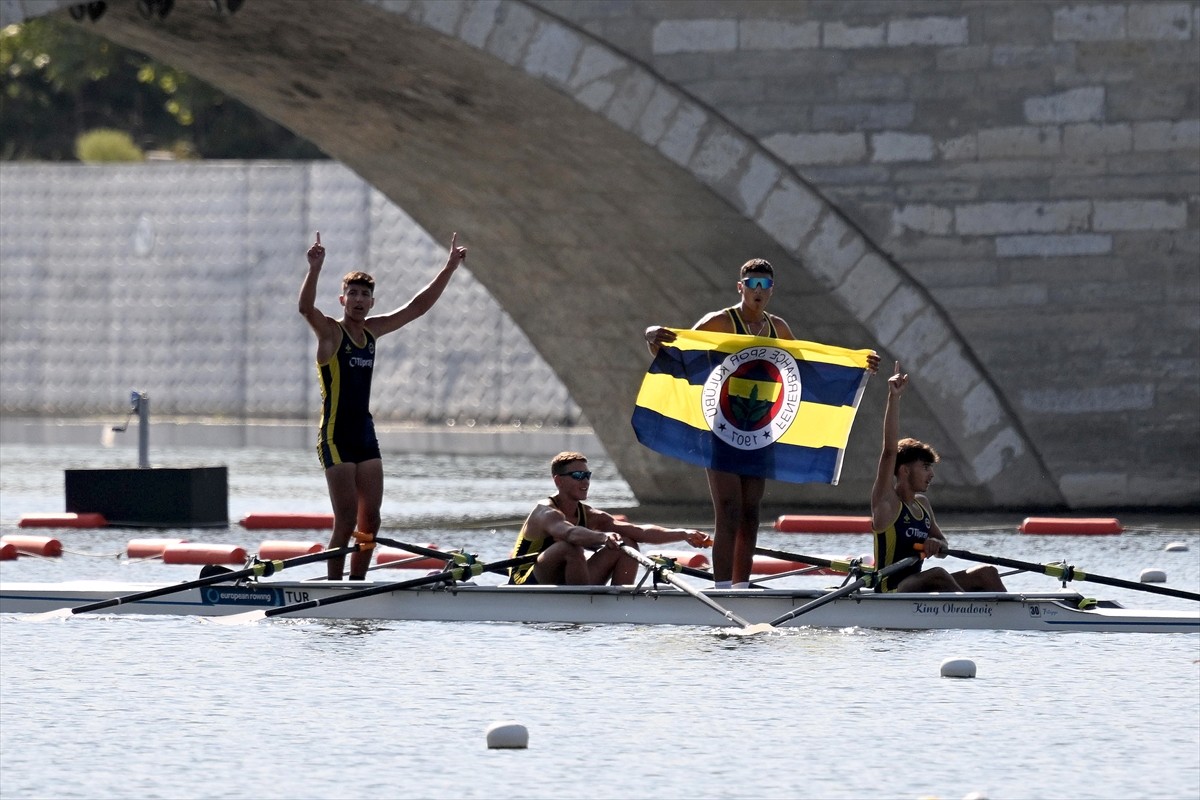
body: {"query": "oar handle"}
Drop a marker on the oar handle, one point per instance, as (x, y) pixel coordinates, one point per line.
(1068, 573)
(416, 548)
(796, 557)
(224, 577)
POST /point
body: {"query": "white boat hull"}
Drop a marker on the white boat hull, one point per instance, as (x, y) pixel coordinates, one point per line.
(1054, 611)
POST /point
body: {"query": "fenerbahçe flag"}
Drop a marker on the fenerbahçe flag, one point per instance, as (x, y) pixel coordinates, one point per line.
(772, 408)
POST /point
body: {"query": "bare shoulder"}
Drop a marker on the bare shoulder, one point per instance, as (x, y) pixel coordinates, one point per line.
(781, 327)
(715, 322)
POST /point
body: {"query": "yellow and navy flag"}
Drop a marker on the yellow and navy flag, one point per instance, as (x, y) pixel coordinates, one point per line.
(772, 408)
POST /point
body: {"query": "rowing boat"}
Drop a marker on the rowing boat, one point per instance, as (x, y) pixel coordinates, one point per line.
(637, 605)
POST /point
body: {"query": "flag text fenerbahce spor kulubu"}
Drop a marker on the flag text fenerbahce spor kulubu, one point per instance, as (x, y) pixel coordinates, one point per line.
(749, 405)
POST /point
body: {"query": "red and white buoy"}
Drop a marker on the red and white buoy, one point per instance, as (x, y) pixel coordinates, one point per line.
(67, 520)
(1087, 526)
(286, 521)
(46, 546)
(196, 553)
(821, 523)
(149, 548)
(272, 549)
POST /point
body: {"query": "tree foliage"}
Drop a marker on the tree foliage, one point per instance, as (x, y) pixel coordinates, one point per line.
(59, 81)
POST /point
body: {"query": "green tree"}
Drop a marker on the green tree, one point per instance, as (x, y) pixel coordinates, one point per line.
(59, 81)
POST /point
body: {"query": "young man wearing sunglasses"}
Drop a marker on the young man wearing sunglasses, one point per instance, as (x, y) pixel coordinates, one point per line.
(736, 498)
(563, 528)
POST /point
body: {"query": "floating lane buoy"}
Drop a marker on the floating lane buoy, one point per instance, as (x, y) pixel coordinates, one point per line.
(695, 560)
(8, 551)
(1176, 547)
(394, 558)
(507, 734)
(958, 668)
(68, 520)
(46, 546)
(149, 548)
(1152, 576)
(185, 553)
(286, 521)
(272, 549)
(810, 523)
(1094, 526)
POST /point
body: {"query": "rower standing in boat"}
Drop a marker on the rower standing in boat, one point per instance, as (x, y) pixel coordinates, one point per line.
(346, 441)
(736, 498)
(562, 528)
(902, 517)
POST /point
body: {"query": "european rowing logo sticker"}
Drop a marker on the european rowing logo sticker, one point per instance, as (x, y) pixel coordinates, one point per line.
(751, 398)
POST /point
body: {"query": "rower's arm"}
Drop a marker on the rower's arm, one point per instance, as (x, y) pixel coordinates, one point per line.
(551, 522)
(884, 500)
(657, 534)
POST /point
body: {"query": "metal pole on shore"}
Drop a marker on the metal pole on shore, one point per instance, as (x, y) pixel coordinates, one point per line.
(141, 402)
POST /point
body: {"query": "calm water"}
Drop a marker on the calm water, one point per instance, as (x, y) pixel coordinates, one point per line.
(145, 707)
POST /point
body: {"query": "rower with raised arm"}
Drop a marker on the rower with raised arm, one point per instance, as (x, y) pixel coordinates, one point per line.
(902, 516)
(346, 441)
(562, 529)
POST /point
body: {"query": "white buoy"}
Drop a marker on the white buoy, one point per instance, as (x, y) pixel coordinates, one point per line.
(1153, 576)
(958, 668)
(1176, 547)
(507, 734)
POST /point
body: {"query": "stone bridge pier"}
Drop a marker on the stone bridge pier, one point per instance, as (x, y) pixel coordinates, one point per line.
(1003, 196)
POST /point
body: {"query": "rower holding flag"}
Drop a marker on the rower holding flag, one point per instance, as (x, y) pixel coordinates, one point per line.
(741, 397)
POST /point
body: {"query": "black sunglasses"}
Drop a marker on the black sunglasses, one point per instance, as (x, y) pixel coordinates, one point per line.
(579, 474)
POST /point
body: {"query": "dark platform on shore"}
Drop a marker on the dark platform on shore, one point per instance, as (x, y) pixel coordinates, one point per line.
(158, 497)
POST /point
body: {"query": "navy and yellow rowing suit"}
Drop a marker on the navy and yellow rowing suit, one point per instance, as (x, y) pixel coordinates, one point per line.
(347, 433)
(740, 326)
(523, 574)
(897, 542)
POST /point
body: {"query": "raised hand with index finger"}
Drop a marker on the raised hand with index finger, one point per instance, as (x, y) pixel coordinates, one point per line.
(316, 254)
(898, 381)
(457, 254)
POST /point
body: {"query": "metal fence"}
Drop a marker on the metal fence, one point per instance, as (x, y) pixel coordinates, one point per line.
(180, 279)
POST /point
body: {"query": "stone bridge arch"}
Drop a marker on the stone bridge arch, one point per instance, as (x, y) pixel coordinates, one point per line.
(599, 198)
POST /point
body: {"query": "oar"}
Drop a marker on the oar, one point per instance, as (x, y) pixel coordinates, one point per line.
(687, 588)
(1068, 573)
(871, 578)
(673, 565)
(456, 573)
(257, 569)
(816, 561)
(789, 574)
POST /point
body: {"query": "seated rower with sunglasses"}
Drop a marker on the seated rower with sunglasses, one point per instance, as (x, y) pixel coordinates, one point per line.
(736, 498)
(562, 528)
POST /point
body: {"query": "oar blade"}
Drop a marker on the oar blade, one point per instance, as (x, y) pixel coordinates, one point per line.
(49, 616)
(758, 629)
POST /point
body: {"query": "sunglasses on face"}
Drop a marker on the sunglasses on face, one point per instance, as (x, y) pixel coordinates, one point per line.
(758, 282)
(579, 474)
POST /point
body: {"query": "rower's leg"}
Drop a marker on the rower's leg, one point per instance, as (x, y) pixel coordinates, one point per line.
(983, 578)
(368, 485)
(343, 496)
(747, 531)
